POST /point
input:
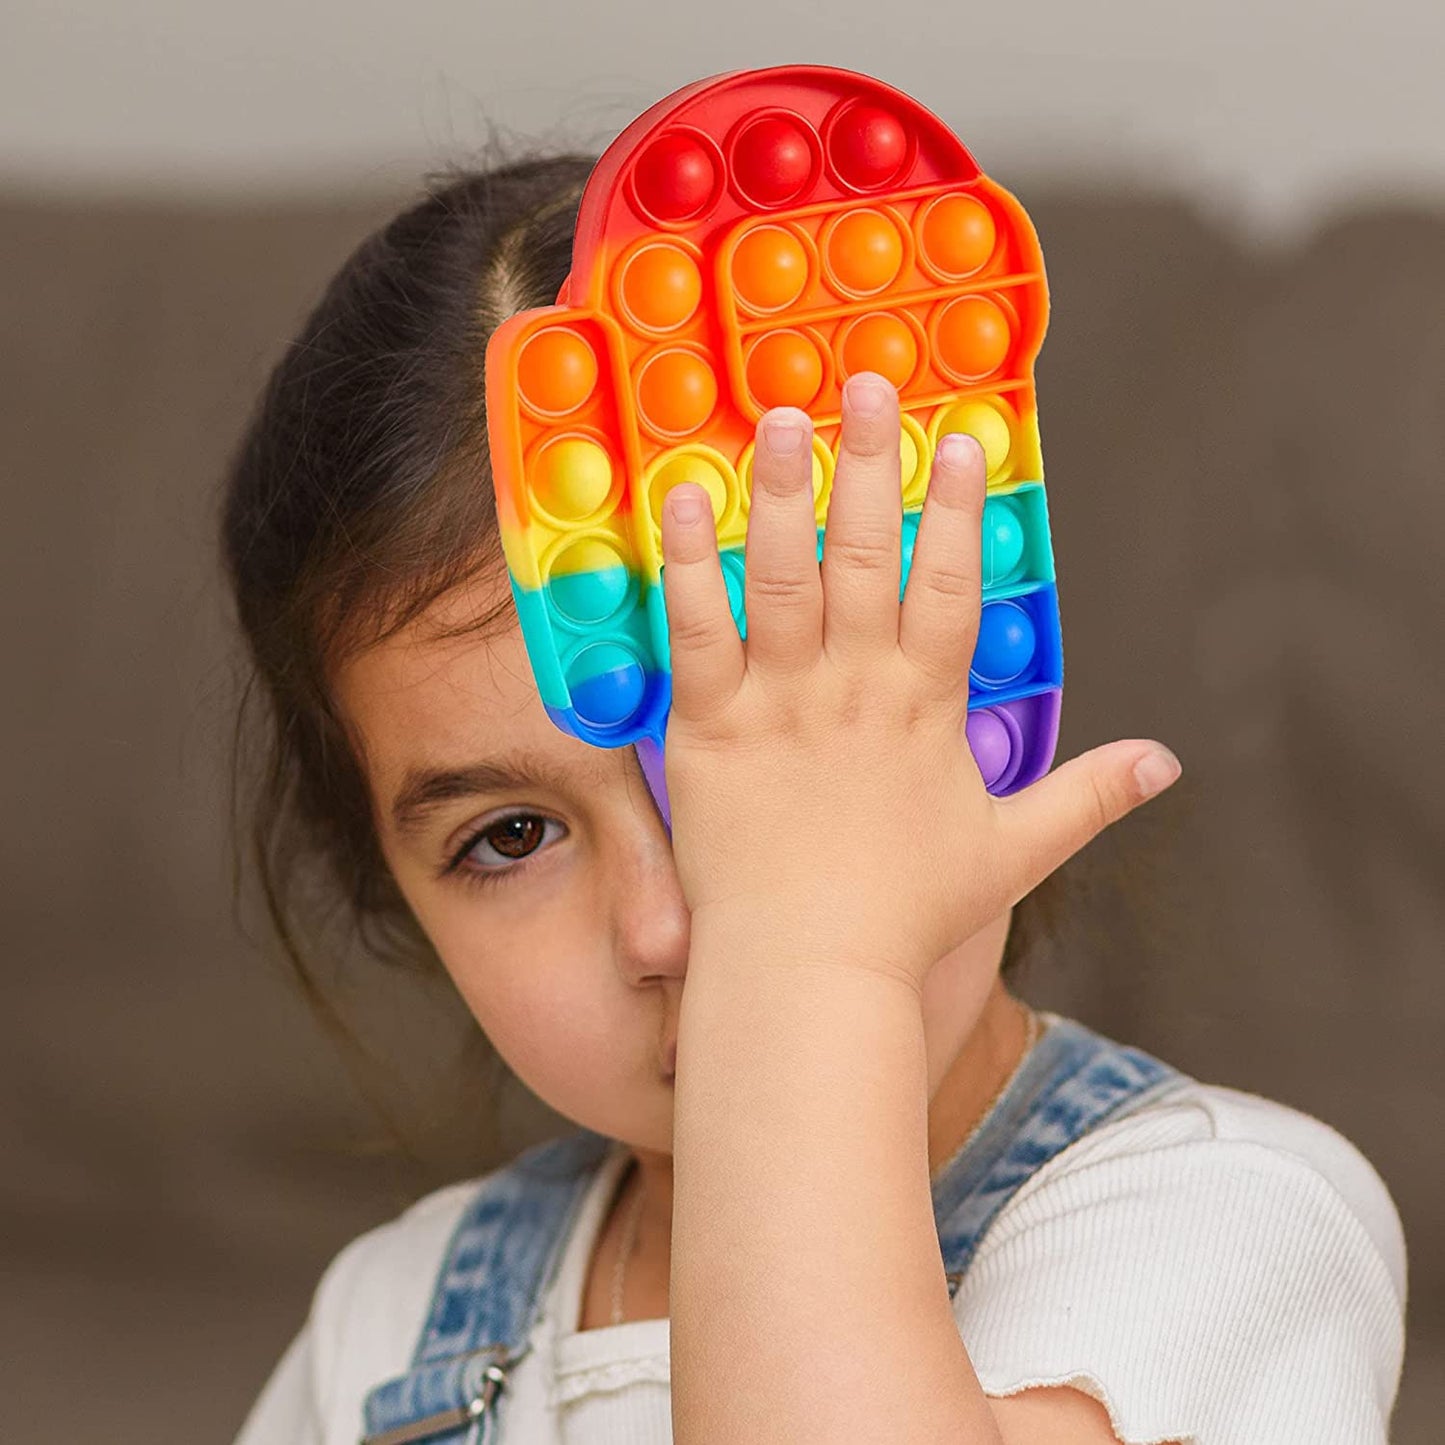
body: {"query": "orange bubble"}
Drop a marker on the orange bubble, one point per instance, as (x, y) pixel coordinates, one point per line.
(972, 336)
(556, 370)
(865, 251)
(883, 343)
(769, 268)
(784, 369)
(676, 392)
(958, 235)
(661, 287)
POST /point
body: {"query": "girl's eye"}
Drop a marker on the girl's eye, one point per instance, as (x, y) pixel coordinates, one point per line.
(502, 848)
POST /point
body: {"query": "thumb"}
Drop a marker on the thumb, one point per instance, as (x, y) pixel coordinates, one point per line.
(1047, 823)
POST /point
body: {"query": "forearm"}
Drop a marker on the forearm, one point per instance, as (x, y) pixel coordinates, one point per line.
(807, 1298)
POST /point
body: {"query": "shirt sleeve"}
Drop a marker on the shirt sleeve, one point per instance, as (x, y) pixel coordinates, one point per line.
(1220, 1292)
(366, 1312)
(285, 1410)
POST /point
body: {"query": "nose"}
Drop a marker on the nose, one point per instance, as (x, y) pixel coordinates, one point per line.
(651, 922)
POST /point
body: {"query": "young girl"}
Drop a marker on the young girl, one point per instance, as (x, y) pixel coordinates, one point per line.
(831, 1180)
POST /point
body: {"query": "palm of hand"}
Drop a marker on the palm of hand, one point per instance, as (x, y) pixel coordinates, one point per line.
(819, 777)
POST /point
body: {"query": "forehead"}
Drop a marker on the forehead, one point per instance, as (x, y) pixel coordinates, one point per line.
(420, 699)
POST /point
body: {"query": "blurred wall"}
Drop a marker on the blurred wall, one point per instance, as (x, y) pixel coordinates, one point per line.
(1271, 112)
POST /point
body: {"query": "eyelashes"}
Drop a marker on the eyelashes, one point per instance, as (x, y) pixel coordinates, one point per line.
(513, 830)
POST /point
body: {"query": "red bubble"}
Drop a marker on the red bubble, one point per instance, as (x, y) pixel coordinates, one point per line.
(772, 160)
(869, 147)
(675, 177)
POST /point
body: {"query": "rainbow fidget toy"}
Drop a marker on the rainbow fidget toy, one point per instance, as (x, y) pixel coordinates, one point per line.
(749, 242)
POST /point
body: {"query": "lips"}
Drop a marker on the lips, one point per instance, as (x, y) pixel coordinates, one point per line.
(669, 1058)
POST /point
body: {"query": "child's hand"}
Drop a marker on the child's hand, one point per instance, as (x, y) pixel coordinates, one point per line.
(821, 784)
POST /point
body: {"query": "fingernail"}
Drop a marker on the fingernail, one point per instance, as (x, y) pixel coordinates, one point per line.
(686, 507)
(866, 394)
(784, 437)
(956, 449)
(1156, 770)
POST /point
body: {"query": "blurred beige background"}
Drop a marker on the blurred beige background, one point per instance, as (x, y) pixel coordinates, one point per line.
(1243, 407)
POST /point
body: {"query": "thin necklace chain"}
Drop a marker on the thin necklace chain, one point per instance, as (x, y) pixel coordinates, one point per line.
(634, 1215)
(1031, 1037)
(629, 1239)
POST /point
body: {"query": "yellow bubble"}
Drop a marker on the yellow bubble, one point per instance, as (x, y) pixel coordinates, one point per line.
(571, 478)
(914, 458)
(688, 467)
(984, 421)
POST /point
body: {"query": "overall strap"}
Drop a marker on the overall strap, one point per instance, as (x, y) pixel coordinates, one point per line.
(1072, 1081)
(489, 1290)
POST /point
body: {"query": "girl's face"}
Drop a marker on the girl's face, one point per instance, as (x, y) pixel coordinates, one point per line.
(540, 870)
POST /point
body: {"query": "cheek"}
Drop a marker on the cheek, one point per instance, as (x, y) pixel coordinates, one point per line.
(542, 998)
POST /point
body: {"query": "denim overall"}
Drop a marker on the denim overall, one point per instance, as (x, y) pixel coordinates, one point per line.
(509, 1242)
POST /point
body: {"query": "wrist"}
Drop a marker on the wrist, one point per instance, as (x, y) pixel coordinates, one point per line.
(741, 937)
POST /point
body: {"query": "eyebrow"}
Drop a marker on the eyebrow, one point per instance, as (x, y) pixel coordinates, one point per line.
(425, 789)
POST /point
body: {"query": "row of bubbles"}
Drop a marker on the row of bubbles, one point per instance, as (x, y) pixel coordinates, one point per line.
(610, 690)
(965, 340)
(606, 673)
(770, 159)
(590, 581)
(574, 478)
(613, 692)
(862, 252)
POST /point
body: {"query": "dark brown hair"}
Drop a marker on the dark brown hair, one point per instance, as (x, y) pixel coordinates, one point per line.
(360, 493)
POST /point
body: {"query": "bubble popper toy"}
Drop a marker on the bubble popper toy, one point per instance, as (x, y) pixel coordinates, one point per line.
(748, 242)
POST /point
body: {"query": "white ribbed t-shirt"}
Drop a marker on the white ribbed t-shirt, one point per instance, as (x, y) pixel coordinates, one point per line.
(1215, 1267)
